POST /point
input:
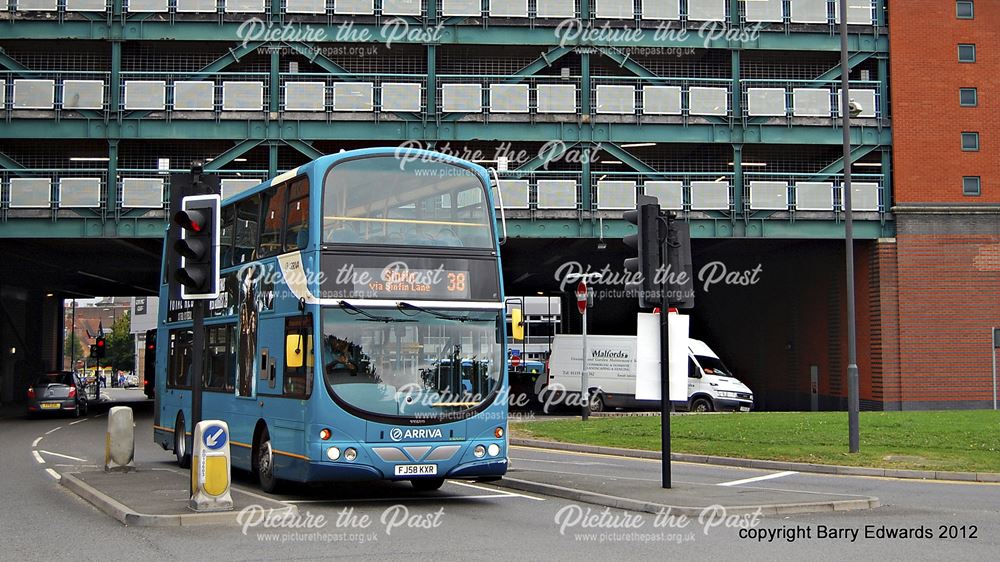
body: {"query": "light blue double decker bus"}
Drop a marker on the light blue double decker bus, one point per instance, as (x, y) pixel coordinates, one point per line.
(360, 332)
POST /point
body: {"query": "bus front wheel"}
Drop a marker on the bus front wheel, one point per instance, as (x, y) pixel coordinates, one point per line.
(263, 461)
(427, 484)
(180, 443)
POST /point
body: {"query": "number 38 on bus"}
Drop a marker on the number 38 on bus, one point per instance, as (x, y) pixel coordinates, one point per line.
(359, 333)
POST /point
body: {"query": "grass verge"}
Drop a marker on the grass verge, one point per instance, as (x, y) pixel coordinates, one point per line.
(967, 441)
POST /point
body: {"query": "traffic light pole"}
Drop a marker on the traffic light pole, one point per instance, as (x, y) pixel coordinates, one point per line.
(198, 360)
(664, 362)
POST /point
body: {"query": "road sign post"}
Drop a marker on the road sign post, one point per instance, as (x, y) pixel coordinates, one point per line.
(581, 305)
(211, 467)
(996, 346)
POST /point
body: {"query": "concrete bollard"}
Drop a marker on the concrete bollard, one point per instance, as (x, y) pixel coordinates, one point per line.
(211, 467)
(119, 441)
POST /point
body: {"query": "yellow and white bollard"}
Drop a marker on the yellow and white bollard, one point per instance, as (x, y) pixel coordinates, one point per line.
(210, 467)
(119, 441)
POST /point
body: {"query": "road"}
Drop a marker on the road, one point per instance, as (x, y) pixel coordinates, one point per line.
(466, 521)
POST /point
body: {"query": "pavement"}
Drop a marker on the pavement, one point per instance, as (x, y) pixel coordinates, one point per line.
(158, 497)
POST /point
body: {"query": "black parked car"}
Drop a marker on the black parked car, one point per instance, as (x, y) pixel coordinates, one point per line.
(58, 391)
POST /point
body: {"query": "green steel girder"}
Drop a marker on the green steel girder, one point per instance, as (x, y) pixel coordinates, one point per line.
(456, 35)
(11, 64)
(545, 60)
(837, 167)
(706, 228)
(83, 227)
(232, 56)
(305, 148)
(628, 64)
(228, 156)
(852, 61)
(541, 160)
(629, 160)
(8, 163)
(398, 131)
(153, 227)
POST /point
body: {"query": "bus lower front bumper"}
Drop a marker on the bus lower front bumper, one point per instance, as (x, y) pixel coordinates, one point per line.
(313, 471)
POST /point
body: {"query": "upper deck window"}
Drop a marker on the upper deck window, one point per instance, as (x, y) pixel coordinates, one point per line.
(391, 201)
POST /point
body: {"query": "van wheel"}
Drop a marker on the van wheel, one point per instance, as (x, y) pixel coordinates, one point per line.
(427, 484)
(701, 405)
(263, 462)
(180, 443)
(596, 403)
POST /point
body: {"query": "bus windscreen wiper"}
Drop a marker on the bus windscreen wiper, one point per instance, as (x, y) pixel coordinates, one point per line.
(351, 309)
(408, 306)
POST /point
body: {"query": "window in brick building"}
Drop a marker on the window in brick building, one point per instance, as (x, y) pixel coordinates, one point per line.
(966, 9)
(968, 97)
(967, 53)
(970, 186)
(970, 142)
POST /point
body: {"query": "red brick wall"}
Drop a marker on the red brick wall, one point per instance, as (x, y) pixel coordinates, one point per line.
(927, 119)
(949, 298)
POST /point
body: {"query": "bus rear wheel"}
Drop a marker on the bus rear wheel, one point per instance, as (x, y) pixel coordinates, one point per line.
(427, 484)
(263, 463)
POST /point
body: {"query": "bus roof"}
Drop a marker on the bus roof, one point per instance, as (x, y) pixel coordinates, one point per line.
(330, 159)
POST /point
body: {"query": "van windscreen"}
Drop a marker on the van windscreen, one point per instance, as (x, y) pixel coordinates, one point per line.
(713, 366)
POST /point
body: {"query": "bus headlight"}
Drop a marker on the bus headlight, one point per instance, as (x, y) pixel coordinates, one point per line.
(333, 453)
(493, 449)
(350, 454)
(324, 434)
(498, 433)
(479, 451)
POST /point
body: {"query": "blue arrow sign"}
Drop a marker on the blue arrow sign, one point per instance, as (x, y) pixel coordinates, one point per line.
(215, 437)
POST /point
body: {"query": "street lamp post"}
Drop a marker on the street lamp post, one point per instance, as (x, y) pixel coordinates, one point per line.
(853, 401)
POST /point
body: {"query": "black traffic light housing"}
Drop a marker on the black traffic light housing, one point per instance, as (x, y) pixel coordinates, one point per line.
(646, 243)
(662, 263)
(100, 348)
(198, 247)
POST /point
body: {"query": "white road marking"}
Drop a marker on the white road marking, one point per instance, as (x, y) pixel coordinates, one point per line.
(53, 430)
(407, 499)
(504, 492)
(78, 421)
(53, 473)
(759, 478)
(36, 442)
(38, 458)
(64, 456)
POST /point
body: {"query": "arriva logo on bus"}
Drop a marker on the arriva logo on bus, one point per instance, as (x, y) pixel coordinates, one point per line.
(397, 434)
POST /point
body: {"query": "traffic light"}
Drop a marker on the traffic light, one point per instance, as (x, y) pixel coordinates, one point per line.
(677, 249)
(198, 247)
(100, 348)
(646, 243)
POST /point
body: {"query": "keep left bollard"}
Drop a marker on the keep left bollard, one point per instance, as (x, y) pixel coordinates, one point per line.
(119, 441)
(210, 467)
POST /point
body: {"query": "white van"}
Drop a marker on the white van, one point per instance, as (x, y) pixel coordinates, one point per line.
(611, 367)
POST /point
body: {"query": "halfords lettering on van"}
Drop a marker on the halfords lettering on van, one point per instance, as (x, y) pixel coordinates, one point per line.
(611, 364)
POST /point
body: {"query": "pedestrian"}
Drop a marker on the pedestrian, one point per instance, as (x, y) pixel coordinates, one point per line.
(104, 381)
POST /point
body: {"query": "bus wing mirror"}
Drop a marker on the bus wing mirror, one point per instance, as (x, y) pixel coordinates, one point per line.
(517, 324)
